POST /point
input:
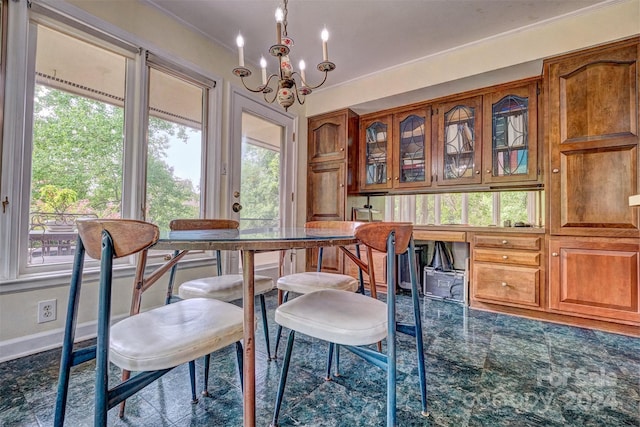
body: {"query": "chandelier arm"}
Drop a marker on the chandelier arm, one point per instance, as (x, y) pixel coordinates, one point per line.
(304, 83)
(275, 95)
(258, 90)
(300, 101)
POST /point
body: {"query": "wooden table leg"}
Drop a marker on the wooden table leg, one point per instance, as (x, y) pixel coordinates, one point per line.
(248, 302)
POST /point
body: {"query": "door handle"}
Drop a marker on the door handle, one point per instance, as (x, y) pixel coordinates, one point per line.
(237, 207)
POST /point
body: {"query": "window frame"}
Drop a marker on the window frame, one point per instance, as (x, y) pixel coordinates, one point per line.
(16, 153)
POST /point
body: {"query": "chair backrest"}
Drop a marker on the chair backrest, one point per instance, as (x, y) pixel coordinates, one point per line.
(129, 236)
(203, 224)
(337, 225)
(375, 234)
(348, 226)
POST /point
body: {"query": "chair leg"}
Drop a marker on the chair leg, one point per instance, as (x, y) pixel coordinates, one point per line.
(337, 370)
(285, 297)
(418, 329)
(192, 376)
(329, 361)
(265, 325)
(66, 358)
(124, 377)
(205, 387)
(240, 357)
(283, 379)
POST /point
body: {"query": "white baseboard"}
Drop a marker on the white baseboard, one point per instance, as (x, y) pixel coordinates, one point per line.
(31, 344)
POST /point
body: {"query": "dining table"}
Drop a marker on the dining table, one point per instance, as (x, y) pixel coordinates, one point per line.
(249, 242)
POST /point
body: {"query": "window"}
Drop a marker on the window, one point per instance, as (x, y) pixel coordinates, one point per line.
(110, 131)
(476, 209)
(174, 149)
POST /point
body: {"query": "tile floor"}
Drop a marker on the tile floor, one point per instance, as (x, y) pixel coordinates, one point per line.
(483, 369)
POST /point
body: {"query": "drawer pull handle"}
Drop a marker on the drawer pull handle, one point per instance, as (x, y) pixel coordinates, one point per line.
(554, 254)
(504, 284)
(504, 242)
(505, 257)
(555, 170)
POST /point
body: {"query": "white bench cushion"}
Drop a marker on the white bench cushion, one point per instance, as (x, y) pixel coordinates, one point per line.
(174, 334)
(310, 281)
(341, 317)
(227, 287)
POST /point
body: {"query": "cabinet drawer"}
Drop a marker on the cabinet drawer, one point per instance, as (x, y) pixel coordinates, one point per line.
(511, 242)
(506, 284)
(507, 257)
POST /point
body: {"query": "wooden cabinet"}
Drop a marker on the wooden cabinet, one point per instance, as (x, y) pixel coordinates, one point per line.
(592, 107)
(395, 150)
(595, 278)
(507, 270)
(459, 142)
(332, 164)
(510, 135)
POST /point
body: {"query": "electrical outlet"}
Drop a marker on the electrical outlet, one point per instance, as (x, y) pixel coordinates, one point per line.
(47, 311)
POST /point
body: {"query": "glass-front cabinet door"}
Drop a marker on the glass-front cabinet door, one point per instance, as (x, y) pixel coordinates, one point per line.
(411, 149)
(511, 117)
(459, 142)
(375, 155)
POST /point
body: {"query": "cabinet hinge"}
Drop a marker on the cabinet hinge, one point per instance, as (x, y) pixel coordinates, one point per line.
(537, 89)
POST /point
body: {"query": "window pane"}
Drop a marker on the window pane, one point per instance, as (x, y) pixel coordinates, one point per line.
(513, 206)
(425, 209)
(77, 151)
(174, 149)
(480, 209)
(260, 186)
(451, 208)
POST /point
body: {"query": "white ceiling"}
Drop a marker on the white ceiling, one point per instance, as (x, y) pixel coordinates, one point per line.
(366, 36)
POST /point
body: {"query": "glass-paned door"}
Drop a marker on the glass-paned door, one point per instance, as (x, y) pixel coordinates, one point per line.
(262, 171)
(412, 151)
(376, 153)
(459, 142)
(510, 125)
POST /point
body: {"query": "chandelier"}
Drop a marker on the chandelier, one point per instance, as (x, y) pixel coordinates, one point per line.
(288, 89)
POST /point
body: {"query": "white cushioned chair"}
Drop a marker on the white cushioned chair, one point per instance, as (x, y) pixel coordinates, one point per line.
(310, 281)
(353, 320)
(223, 287)
(151, 343)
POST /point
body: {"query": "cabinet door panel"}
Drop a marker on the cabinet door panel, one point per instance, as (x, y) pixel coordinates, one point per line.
(326, 183)
(327, 138)
(594, 94)
(592, 100)
(595, 186)
(595, 278)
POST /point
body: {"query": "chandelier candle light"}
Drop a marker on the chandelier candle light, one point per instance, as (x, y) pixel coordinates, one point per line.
(288, 89)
